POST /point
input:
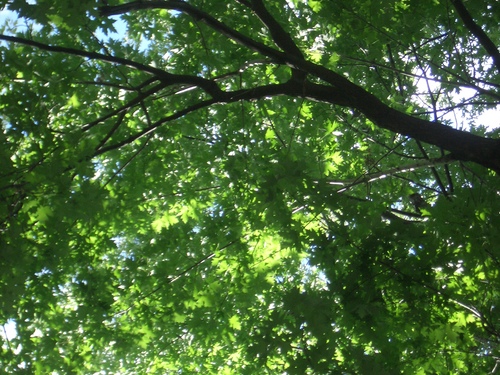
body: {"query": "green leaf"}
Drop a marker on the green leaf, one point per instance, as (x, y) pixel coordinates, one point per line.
(208, 187)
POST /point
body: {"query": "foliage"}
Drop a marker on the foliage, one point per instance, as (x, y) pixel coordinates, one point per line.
(282, 187)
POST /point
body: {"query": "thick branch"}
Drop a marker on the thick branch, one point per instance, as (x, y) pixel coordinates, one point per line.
(476, 30)
(463, 145)
(280, 37)
(339, 91)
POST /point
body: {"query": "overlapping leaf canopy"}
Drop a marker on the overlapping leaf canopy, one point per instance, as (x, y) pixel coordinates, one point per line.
(253, 186)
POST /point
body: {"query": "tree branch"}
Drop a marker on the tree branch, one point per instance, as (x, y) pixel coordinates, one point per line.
(476, 30)
(199, 15)
(154, 126)
(229, 97)
(88, 55)
(371, 177)
(340, 91)
(463, 145)
(126, 106)
(167, 78)
(280, 37)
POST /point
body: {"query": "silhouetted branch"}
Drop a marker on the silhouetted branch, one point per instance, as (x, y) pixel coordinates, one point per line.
(474, 28)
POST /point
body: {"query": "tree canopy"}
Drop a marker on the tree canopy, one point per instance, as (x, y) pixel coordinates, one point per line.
(249, 187)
